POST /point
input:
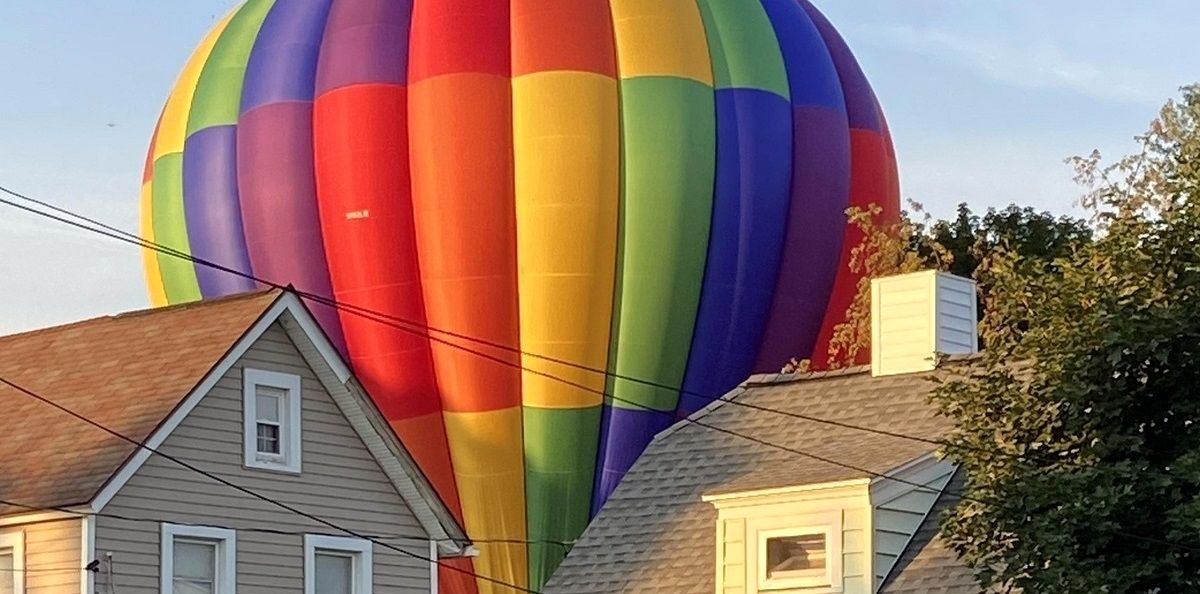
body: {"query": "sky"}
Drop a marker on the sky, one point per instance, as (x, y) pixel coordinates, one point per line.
(985, 98)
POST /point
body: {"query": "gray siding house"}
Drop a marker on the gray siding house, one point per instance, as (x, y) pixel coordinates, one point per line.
(271, 469)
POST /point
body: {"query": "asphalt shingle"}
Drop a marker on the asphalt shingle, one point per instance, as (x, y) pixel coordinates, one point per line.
(126, 372)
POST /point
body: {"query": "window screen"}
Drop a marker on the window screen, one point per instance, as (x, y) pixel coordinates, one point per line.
(7, 576)
(334, 573)
(195, 567)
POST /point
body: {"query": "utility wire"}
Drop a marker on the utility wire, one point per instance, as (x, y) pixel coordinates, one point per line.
(409, 326)
(275, 531)
(382, 318)
(287, 507)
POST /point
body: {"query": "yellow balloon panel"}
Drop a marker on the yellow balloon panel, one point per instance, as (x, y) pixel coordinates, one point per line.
(567, 171)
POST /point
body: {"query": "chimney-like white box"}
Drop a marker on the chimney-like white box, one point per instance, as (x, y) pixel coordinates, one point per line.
(916, 316)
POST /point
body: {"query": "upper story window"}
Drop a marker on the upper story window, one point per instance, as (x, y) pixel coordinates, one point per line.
(271, 405)
(198, 560)
(337, 565)
(12, 563)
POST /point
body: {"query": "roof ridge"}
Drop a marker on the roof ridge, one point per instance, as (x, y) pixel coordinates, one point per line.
(138, 312)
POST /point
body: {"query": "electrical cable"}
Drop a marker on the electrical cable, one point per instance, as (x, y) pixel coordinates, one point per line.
(286, 507)
(391, 321)
(381, 318)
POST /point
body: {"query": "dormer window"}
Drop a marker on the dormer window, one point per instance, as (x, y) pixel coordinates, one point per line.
(795, 558)
(271, 407)
(808, 539)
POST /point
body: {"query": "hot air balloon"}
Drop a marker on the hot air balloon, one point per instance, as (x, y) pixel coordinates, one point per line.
(600, 214)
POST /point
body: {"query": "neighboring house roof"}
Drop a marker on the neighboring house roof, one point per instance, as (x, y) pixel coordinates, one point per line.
(656, 535)
(140, 374)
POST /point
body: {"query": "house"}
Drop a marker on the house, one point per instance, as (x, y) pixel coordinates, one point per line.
(272, 470)
(804, 506)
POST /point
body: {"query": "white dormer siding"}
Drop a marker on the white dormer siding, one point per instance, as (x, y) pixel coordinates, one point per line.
(917, 316)
(866, 525)
(900, 506)
(745, 521)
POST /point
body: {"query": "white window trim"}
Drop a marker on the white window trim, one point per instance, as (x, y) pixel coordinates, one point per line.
(359, 548)
(16, 542)
(830, 525)
(226, 541)
(289, 439)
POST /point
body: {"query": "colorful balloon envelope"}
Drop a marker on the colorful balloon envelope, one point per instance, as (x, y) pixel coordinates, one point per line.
(568, 223)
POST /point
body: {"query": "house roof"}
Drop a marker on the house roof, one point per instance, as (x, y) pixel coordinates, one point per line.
(126, 372)
(140, 374)
(655, 534)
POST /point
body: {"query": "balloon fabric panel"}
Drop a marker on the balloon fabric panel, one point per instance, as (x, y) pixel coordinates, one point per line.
(820, 185)
(750, 199)
(566, 155)
(178, 277)
(668, 153)
(460, 129)
(154, 284)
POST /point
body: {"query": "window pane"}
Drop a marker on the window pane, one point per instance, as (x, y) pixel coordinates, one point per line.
(183, 586)
(195, 561)
(7, 577)
(268, 439)
(334, 573)
(796, 556)
(267, 401)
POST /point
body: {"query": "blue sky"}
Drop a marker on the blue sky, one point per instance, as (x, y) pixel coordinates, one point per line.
(985, 98)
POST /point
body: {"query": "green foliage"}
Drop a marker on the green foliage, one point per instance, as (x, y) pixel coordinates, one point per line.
(1090, 386)
(918, 242)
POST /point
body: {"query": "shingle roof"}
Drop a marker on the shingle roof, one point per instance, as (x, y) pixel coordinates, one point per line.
(656, 535)
(127, 372)
(928, 566)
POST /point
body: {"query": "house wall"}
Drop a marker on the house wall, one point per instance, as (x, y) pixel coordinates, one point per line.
(739, 520)
(52, 556)
(340, 482)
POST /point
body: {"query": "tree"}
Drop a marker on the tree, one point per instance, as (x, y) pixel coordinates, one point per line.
(918, 242)
(1079, 429)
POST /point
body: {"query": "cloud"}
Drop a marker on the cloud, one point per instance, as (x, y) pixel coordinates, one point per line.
(1034, 65)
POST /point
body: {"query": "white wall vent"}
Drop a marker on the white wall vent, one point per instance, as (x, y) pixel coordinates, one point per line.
(916, 316)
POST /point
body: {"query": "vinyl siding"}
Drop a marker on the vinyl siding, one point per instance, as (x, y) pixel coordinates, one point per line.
(900, 508)
(52, 562)
(914, 316)
(740, 522)
(340, 482)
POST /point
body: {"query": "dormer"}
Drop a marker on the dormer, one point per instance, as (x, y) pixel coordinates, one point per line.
(827, 538)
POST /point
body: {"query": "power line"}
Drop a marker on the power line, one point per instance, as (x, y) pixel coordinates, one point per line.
(382, 318)
(274, 531)
(287, 507)
(415, 328)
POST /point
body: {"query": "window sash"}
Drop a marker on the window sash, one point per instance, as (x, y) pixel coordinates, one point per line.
(271, 403)
(329, 548)
(324, 563)
(8, 571)
(198, 560)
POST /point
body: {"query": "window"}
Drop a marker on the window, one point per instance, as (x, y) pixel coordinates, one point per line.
(799, 557)
(337, 565)
(12, 563)
(198, 560)
(271, 405)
